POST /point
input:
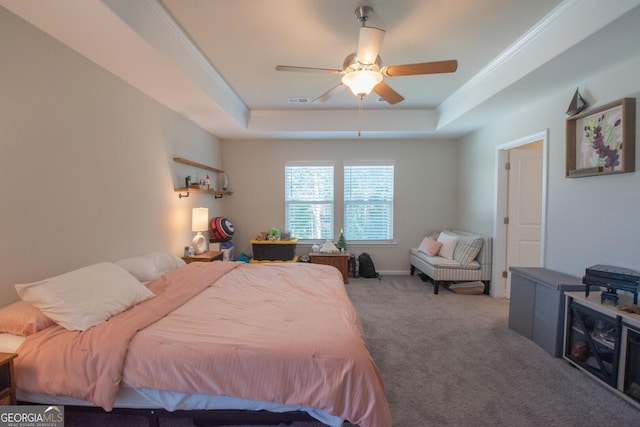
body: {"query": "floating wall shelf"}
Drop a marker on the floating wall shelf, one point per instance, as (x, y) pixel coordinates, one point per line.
(198, 165)
(215, 193)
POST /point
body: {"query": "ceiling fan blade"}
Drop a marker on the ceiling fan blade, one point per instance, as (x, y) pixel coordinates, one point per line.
(387, 93)
(307, 69)
(369, 44)
(328, 94)
(421, 68)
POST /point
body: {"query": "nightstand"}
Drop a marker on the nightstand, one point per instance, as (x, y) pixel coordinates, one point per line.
(7, 379)
(339, 261)
(204, 257)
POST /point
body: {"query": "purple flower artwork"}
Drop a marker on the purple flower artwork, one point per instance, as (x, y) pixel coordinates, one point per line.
(601, 141)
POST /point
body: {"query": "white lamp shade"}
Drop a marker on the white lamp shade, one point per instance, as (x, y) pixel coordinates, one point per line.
(200, 219)
(362, 82)
(369, 44)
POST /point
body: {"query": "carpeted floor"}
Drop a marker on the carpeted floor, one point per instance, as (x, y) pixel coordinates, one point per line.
(451, 360)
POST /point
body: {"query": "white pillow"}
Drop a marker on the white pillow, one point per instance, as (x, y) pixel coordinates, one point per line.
(151, 266)
(83, 298)
(449, 243)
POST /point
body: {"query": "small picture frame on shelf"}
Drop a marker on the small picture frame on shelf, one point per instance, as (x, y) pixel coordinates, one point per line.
(602, 141)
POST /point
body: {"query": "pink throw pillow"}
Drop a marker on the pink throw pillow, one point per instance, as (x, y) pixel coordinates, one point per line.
(21, 318)
(429, 246)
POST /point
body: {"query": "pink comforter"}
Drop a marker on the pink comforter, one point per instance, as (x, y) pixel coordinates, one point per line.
(284, 333)
(88, 365)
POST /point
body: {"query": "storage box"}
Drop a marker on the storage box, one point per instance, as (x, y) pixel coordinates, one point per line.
(537, 305)
(274, 250)
(468, 288)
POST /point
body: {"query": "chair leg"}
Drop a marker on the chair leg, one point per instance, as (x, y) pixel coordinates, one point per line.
(436, 286)
(413, 270)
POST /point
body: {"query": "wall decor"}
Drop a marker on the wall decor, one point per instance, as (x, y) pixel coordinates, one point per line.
(577, 104)
(602, 141)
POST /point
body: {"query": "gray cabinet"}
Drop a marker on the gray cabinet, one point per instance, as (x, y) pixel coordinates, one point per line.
(537, 306)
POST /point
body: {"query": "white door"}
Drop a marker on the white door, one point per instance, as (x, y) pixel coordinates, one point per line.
(524, 208)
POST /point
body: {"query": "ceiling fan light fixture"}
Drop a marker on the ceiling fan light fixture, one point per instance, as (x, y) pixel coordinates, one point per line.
(362, 82)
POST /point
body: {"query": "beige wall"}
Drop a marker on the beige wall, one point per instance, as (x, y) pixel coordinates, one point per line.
(86, 172)
(86, 169)
(424, 199)
(590, 220)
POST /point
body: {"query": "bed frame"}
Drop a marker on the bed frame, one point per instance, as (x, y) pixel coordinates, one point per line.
(201, 418)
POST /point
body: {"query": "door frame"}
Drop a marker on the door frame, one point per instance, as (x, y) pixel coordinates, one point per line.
(498, 283)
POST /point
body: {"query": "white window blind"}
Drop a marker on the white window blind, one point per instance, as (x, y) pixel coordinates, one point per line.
(368, 201)
(308, 192)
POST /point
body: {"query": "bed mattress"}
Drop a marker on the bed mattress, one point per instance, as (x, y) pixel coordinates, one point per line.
(144, 398)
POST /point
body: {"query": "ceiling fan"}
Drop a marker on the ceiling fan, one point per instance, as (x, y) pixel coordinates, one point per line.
(363, 72)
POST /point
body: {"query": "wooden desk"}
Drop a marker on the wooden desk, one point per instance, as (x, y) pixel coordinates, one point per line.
(204, 257)
(339, 261)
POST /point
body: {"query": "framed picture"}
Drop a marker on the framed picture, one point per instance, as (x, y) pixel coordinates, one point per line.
(602, 141)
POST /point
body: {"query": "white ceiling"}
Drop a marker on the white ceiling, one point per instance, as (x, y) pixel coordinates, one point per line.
(214, 61)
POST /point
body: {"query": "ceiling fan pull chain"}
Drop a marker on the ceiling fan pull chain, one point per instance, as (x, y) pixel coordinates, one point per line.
(360, 115)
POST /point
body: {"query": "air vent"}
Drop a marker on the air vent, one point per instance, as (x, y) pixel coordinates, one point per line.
(298, 100)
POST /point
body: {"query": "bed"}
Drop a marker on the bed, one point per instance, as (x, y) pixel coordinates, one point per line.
(280, 338)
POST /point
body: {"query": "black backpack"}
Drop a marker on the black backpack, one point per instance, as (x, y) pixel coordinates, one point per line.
(366, 268)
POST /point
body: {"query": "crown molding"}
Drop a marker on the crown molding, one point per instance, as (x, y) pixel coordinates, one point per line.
(157, 27)
(556, 15)
(563, 28)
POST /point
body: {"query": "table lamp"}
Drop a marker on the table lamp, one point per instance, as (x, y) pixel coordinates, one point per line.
(199, 223)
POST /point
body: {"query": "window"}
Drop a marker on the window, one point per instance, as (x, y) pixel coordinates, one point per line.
(308, 197)
(368, 201)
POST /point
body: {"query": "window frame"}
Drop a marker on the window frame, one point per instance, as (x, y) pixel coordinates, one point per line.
(332, 203)
(390, 203)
